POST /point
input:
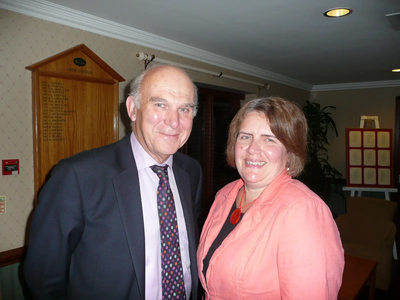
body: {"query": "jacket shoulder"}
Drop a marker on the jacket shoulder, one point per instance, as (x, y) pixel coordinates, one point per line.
(117, 155)
(186, 162)
(294, 191)
(226, 189)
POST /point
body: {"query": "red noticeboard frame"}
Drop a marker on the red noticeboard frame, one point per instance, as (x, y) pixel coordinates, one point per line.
(369, 155)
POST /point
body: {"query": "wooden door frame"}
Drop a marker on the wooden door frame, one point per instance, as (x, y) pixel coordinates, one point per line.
(396, 169)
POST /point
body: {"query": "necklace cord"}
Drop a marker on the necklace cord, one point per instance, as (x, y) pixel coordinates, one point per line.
(241, 200)
(235, 216)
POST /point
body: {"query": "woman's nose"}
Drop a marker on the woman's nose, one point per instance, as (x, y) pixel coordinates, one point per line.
(254, 147)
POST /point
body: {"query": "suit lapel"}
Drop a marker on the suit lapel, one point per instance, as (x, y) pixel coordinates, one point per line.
(183, 183)
(127, 191)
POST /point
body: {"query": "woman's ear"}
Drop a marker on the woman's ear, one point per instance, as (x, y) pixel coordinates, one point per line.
(131, 108)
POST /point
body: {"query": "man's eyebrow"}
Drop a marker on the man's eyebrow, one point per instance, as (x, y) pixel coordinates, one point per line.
(189, 104)
(157, 99)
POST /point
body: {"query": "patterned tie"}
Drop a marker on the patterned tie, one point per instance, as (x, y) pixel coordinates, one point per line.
(173, 284)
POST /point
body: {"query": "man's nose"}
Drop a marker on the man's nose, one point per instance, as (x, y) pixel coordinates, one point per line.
(172, 118)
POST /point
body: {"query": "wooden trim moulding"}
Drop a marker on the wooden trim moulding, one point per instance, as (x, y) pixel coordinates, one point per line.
(76, 77)
(13, 256)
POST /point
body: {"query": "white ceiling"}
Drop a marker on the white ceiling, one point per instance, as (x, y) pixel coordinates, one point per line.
(288, 39)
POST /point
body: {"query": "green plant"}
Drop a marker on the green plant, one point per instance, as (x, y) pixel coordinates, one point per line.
(318, 170)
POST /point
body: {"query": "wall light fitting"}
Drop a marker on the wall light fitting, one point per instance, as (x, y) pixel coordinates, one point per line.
(147, 59)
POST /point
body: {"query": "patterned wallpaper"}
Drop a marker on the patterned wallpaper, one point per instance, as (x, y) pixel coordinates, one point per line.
(26, 40)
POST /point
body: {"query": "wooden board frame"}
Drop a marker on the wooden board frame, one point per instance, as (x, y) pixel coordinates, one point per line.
(75, 99)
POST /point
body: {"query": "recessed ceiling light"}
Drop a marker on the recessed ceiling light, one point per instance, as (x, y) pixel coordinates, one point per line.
(337, 12)
(396, 70)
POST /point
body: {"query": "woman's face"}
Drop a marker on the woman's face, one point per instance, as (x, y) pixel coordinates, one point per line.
(259, 155)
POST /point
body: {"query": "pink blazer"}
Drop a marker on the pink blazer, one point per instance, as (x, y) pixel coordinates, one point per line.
(287, 246)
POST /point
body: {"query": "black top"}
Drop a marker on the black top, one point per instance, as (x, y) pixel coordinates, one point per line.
(225, 231)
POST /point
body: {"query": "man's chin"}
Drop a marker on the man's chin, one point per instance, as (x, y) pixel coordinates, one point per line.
(167, 150)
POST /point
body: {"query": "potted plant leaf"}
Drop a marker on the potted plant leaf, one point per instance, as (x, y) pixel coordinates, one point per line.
(318, 172)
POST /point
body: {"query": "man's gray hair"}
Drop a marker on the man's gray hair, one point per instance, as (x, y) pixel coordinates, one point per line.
(137, 83)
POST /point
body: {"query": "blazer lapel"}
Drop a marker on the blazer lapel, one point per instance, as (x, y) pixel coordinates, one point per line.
(183, 183)
(127, 191)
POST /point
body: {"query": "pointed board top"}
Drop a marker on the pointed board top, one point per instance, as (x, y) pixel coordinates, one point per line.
(80, 60)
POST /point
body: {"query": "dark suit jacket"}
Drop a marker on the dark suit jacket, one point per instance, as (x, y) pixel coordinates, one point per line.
(87, 235)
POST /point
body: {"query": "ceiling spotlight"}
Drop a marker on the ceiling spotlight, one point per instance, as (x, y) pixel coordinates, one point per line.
(396, 70)
(337, 12)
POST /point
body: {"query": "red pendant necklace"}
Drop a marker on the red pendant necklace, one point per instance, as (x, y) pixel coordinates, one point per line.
(235, 217)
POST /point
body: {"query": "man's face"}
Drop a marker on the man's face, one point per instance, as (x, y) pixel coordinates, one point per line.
(164, 120)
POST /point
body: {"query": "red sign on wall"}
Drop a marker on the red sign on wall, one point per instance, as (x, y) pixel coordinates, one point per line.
(10, 167)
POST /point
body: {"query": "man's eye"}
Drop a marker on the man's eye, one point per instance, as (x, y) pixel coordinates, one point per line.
(160, 104)
(186, 109)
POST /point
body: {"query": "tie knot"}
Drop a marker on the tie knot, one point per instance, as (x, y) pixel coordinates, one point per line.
(161, 171)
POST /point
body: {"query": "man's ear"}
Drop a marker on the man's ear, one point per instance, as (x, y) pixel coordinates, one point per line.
(131, 108)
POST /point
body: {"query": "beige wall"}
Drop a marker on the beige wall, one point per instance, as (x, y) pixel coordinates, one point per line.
(350, 106)
(27, 40)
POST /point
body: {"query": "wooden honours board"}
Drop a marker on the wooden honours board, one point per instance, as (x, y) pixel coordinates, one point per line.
(75, 107)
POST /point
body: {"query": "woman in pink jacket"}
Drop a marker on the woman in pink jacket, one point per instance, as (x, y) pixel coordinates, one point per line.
(267, 236)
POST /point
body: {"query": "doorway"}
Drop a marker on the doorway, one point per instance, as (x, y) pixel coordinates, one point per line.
(207, 142)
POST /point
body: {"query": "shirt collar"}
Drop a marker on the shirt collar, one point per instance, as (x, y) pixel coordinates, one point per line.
(142, 158)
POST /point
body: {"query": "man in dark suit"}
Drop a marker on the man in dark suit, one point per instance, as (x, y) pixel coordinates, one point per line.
(95, 233)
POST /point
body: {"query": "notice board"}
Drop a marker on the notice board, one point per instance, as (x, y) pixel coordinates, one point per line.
(369, 157)
(75, 107)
